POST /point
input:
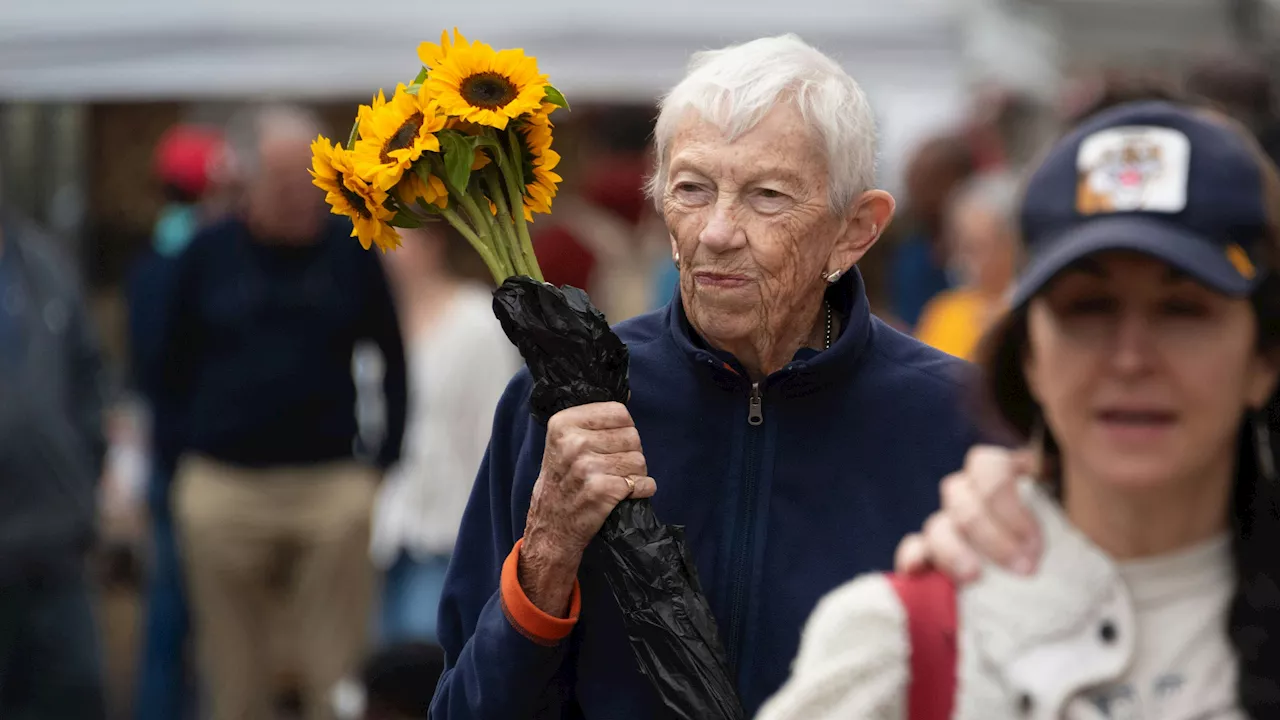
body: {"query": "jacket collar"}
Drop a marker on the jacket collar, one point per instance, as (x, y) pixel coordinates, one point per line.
(808, 371)
(1044, 633)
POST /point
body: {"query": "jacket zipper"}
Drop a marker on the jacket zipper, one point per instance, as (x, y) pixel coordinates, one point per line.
(746, 519)
(755, 409)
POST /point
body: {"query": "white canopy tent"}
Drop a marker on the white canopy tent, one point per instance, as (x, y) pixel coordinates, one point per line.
(913, 57)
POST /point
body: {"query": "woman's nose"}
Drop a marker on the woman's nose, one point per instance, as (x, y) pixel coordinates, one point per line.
(721, 232)
(1134, 343)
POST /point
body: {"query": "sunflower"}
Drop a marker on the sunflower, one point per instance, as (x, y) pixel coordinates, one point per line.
(476, 83)
(348, 195)
(433, 55)
(395, 135)
(537, 162)
(410, 189)
(364, 112)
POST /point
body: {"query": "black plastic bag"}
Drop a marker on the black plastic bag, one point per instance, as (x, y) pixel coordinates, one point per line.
(576, 359)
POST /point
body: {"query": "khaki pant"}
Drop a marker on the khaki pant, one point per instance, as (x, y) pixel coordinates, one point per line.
(249, 534)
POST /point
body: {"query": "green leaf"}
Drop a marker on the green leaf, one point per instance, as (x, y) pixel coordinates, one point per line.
(406, 220)
(459, 154)
(487, 141)
(421, 77)
(355, 133)
(555, 97)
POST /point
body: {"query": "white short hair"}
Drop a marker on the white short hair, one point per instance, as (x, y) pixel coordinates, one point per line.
(735, 87)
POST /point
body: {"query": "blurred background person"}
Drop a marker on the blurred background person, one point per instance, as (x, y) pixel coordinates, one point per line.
(918, 268)
(980, 233)
(187, 163)
(459, 363)
(273, 495)
(51, 457)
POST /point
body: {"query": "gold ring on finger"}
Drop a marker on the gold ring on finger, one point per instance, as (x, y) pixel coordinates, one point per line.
(631, 485)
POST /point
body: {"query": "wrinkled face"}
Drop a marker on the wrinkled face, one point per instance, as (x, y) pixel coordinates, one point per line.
(1143, 375)
(751, 221)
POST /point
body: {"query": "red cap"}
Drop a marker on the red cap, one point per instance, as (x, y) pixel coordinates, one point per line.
(186, 155)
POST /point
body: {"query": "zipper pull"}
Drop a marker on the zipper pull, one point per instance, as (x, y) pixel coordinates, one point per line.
(755, 410)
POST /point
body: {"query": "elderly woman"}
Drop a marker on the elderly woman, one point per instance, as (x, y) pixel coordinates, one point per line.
(792, 434)
(1139, 356)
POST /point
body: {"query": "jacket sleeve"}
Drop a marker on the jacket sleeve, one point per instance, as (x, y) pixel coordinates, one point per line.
(149, 291)
(853, 660)
(503, 657)
(382, 324)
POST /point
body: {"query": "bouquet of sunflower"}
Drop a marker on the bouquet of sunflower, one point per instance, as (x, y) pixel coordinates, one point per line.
(467, 142)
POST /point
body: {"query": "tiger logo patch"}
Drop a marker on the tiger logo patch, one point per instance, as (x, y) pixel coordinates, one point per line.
(1132, 169)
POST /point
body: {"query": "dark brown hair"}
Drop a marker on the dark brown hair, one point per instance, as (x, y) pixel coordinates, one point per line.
(1254, 623)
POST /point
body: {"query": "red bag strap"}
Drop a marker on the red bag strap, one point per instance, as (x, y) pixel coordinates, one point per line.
(929, 600)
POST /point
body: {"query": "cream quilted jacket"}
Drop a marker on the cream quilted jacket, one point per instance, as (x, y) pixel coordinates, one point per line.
(1029, 648)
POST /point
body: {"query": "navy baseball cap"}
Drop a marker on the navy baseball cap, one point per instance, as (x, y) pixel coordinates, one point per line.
(1156, 178)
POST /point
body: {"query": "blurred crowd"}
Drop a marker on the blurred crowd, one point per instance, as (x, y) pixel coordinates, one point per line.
(283, 473)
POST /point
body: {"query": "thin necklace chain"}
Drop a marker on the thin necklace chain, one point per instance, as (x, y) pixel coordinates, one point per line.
(827, 345)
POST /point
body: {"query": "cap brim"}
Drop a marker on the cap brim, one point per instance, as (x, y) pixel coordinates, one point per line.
(1199, 258)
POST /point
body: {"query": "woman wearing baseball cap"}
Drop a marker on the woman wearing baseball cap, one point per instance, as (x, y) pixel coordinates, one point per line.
(1141, 354)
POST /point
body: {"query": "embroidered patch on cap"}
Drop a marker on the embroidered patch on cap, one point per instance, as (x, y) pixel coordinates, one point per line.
(1133, 168)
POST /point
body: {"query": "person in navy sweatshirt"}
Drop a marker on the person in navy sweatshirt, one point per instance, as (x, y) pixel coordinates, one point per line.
(795, 436)
(273, 488)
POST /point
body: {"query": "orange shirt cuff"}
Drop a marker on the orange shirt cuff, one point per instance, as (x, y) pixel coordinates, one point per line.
(526, 617)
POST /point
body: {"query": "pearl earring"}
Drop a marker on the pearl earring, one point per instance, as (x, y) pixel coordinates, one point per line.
(677, 257)
(833, 276)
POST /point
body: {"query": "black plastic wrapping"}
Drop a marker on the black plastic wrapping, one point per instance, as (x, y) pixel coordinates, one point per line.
(572, 353)
(575, 359)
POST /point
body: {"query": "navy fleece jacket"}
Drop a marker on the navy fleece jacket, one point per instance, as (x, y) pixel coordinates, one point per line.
(846, 460)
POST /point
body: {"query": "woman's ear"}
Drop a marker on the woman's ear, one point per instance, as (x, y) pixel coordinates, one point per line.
(1263, 377)
(868, 217)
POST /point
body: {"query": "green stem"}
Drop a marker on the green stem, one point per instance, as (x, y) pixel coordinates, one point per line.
(486, 254)
(483, 223)
(515, 182)
(493, 178)
(502, 246)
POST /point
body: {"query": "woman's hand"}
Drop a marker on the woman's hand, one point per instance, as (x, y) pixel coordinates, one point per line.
(592, 462)
(982, 517)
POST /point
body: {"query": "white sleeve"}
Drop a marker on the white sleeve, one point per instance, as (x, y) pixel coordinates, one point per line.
(853, 660)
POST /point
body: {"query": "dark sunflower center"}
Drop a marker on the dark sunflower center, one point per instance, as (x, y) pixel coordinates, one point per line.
(402, 137)
(354, 199)
(488, 90)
